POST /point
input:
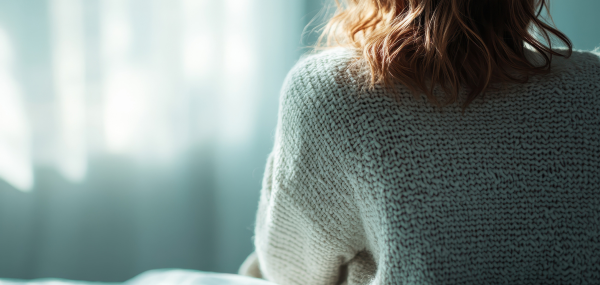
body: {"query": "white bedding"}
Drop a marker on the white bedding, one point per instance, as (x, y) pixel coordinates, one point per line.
(158, 277)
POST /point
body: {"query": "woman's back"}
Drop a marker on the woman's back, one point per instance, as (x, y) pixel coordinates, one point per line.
(371, 187)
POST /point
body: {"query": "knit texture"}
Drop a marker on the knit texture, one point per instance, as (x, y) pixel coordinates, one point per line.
(362, 188)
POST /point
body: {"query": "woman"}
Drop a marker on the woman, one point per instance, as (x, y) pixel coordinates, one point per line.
(369, 184)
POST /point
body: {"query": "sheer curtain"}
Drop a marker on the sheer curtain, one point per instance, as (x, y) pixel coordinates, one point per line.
(134, 133)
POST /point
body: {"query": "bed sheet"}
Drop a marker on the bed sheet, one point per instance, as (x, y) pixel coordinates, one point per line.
(157, 277)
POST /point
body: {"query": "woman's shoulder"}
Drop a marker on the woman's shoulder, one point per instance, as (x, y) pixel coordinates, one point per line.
(580, 71)
(316, 92)
(322, 60)
(584, 65)
(592, 57)
(320, 72)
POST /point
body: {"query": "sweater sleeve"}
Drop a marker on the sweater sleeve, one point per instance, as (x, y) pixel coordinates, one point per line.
(307, 225)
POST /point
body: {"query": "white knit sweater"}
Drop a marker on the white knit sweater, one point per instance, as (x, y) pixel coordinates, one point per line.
(363, 189)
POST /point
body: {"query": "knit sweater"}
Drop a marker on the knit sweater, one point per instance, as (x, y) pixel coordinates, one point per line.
(366, 188)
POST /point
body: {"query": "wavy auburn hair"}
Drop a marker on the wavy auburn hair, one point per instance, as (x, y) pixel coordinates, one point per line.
(450, 44)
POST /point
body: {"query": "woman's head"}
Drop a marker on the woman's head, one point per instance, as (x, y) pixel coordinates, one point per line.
(444, 43)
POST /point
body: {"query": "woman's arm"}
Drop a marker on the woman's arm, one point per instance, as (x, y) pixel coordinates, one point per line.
(296, 242)
(250, 267)
(308, 225)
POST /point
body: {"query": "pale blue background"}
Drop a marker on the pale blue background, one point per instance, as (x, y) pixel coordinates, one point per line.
(579, 20)
(199, 214)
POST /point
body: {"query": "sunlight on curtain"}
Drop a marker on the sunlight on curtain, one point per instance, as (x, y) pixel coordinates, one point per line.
(171, 74)
(200, 39)
(125, 83)
(200, 55)
(15, 153)
(69, 76)
(239, 76)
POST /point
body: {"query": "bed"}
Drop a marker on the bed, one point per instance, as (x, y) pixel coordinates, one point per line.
(158, 277)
